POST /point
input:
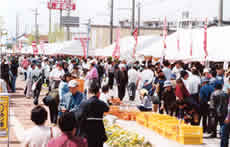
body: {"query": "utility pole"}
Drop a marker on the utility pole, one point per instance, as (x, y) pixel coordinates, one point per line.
(88, 36)
(17, 29)
(68, 27)
(111, 21)
(50, 20)
(139, 17)
(36, 25)
(133, 17)
(60, 19)
(220, 12)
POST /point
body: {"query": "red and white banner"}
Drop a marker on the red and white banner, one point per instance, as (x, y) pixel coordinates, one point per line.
(165, 33)
(19, 46)
(191, 39)
(116, 51)
(83, 44)
(205, 37)
(178, 36)
(135, 35)
(42, 47)
(34, 46)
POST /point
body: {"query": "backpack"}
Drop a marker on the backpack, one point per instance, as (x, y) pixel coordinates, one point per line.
(222, 105)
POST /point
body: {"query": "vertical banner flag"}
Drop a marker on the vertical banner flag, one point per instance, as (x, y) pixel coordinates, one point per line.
(191, 39)
(19, 46)
(135, 35)
(178, 35)
(34, 46)
(83, 44)
(165, 32)
(42, 47)
(116, 51)
(205, 37)
(4, 116)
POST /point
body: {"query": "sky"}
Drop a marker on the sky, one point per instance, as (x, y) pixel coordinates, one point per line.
(98, 11)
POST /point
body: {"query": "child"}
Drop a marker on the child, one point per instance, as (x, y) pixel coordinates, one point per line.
(146, 103)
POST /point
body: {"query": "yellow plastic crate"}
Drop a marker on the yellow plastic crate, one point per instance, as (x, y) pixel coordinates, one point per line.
(190, 135)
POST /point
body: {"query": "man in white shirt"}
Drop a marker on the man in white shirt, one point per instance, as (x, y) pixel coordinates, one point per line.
(177, 69)
(166, 70)
(133, 80)
(55, 75)
(147, 76)
(185, 77)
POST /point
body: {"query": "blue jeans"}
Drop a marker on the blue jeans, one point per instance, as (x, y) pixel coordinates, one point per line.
(25, 74)
(224, 135)
(13, 83)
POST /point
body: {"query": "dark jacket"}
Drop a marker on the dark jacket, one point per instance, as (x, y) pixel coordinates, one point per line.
(14, 68)
(169, 98)
(90, 115)
(122, 78)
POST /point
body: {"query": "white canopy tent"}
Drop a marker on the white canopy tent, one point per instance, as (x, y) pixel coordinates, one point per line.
(126, 46)
(217, 45)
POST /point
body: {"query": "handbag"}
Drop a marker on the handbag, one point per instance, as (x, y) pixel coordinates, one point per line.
(34, 86)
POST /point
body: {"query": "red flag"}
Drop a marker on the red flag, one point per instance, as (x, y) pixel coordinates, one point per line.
(42, 47)
(116, 51)
(191, 41)
(19, 46)
(178, 36)
(165, 32)
(83, 44)
(205, 37)
(34, 46)
(135, 35)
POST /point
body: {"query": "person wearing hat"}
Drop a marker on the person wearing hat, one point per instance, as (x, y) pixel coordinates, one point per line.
(204, 97)
(146, 103)
(168, 98)
(72, 100)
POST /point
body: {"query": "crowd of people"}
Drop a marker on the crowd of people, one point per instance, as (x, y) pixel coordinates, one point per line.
(191, 92)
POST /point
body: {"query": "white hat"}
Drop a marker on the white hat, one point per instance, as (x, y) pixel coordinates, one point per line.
(72, 83)
(122, 66)
(167, 84)
(206, 70)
